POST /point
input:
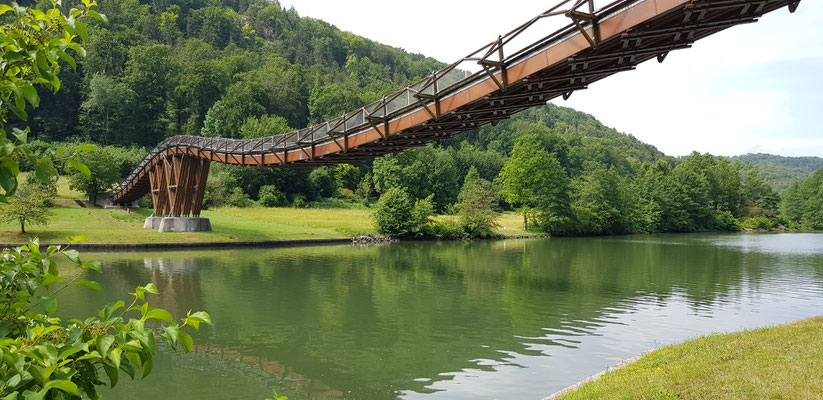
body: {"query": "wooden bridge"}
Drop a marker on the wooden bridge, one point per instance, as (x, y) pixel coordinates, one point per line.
(593, 44)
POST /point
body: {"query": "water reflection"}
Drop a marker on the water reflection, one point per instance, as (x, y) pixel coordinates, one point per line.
(498, 319)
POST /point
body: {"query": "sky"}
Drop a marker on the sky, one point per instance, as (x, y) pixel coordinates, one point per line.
(752, 88)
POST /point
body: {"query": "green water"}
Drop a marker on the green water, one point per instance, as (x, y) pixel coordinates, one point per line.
(516, 319)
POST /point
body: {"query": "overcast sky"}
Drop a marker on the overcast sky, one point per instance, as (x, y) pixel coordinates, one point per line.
(752, 88)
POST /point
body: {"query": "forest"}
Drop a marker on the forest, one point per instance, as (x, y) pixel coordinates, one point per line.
(249, 68)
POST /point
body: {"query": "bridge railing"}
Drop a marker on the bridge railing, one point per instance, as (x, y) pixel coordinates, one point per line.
(423, 94)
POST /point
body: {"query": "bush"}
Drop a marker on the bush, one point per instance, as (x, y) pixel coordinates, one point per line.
(219, 187)
(299, 201)
(421, 217)
(323, 181)
(476, 203)
(270, 197)
(344, 193)
(146, 202)
(393, 214)
(449, 229)
(758, 223)
(725, 221)
(238, 199)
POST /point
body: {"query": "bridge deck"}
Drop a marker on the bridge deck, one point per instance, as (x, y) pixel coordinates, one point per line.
(597, 44)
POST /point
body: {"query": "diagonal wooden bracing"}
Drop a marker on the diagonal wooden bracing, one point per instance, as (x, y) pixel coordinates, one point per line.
(593, 46)
(178, 185)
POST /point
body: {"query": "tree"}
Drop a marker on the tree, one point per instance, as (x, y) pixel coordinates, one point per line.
(104, 171)
(535, 180)
(476, 203)
(266, 125)
(597, 200)
(106, 109)
(149, 73)
(393, 213)
(28, 207)
(44, 357)
(323, 181)
(421, 217)
(269, 196)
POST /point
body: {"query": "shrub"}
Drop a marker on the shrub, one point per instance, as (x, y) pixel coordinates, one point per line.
(758, 223)
(393, 213)
(219, 187)
(145, 202)
(344, 193)
(421, 217)
(299, 201)
(238, 199)
(323, 181)
(271, 197)
(449, 229)
(725, 221)
(476, 203)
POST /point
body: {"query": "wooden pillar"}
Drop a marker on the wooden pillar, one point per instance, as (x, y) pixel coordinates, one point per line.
(202, 177)
(159, 189)
(178, 184)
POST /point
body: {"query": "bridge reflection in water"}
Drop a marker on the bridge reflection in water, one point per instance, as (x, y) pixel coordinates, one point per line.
(509, 77)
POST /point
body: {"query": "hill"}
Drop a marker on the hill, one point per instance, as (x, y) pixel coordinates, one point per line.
(780, 171)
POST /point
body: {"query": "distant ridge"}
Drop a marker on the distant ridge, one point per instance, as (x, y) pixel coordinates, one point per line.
(781, 171)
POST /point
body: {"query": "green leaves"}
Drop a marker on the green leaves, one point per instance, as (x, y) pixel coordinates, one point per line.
(82, 168)
(195, 319)
(89, 284)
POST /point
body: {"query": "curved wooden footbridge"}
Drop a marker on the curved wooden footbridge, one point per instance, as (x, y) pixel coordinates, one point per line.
(594, 44)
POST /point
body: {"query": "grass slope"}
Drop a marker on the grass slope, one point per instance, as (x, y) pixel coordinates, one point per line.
(782, 362)
(228, 224)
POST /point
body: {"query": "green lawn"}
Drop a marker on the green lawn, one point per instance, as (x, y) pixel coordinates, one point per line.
(782, 362)
(228, 224)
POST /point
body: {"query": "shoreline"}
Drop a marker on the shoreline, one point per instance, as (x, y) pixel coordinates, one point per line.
(745, 356)
(596, 376)
(358, 240)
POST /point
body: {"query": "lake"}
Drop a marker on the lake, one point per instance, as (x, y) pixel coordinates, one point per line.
(509, 319)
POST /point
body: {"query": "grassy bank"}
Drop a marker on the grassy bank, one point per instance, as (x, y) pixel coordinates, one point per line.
(228, 224)
(782, 362)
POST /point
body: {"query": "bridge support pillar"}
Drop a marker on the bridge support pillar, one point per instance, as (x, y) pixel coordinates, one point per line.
(178, 185)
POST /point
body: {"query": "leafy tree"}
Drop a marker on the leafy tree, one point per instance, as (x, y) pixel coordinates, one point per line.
(104, 167)
(759, 198)
(149, 73)
(534, 179)
(476, 203)
(266, 125)
(269, 196)
(43, 357)
(422, 224)
(28, 207)
(346, 176)
(106, 109)
(365, 189)
(237, 198)
(323, 181)
(598, 200)
(393, 213)
(803, 202)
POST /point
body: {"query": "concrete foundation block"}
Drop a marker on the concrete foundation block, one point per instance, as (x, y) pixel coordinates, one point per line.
(152, 223)
(184, 224)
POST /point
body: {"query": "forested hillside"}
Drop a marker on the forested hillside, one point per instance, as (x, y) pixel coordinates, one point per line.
(249, 68)
(780, 171)
(223, 68)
